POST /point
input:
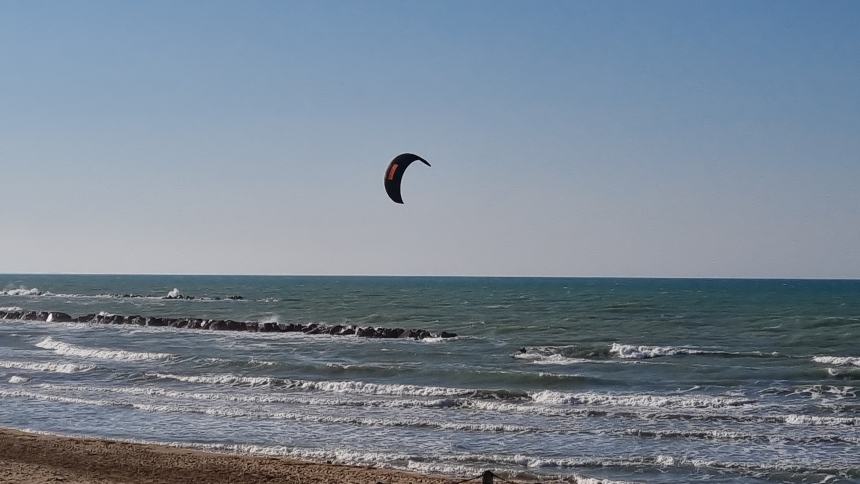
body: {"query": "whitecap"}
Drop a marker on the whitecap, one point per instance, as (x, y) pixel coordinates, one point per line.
(45, 366)
(637, 400)
(21, 291)
(68, 349)
(838, 360)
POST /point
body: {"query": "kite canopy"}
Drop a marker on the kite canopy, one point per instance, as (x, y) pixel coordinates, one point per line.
(394, 174)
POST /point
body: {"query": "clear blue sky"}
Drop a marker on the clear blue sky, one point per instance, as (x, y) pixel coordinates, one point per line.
(602, 138)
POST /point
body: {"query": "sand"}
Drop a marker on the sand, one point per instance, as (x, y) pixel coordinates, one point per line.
(36, 458)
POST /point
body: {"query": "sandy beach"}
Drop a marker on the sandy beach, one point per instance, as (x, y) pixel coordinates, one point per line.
(37, 458)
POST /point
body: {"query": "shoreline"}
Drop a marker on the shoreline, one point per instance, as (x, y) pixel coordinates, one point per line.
(29, 457)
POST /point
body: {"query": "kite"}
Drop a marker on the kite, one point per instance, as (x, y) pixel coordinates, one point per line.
(394, 174)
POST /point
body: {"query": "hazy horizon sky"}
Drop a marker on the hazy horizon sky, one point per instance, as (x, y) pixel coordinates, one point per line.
(568, 138)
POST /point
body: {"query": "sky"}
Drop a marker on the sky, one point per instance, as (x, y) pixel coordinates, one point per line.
(567, 138)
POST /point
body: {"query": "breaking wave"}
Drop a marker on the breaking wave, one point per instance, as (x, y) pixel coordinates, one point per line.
(640, 352)
(21, 291)
(838, 360)
(67, 349)
(638, 400)
(570, 355)
(349, 387)
(45, 366)
(173, 294)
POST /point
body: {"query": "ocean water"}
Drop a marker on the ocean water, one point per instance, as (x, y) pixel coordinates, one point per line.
(642, 380)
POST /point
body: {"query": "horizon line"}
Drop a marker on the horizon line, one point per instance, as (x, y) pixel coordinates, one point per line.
(450, 276)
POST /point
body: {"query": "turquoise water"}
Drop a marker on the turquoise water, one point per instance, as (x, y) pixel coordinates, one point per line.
(618, 379)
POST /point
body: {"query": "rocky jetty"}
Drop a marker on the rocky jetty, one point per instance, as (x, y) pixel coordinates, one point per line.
(226, 325)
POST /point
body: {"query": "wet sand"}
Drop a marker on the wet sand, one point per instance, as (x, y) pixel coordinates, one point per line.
(36, 458)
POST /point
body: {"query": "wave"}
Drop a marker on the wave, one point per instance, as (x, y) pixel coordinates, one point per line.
(349, 387)
(389, 422)
(838, 360)
(174, 294)
(68, 349)
(571, 355)
(731, 435)
(640, 352)
(10, 309)
(819, 420)
(21, 291)
(329, 419)
(815, 392)
(262, 398)
(18, 379)
(57, 398)
(45, 366)
(638, 400)
(546, 397)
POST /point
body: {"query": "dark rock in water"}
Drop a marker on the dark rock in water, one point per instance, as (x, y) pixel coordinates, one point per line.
(289, 327)
(223, 325)
(227, 325)
(389, 332)
(235, 298)
(57, 317)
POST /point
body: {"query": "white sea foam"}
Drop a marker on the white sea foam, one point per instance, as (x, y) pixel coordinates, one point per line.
(56, 398)
(330, 419)
(174, 293)
(734, 435)
(21, 291)
(10, 309)
(638, 400)
(18, 379)
(219, 379)
(259, 398)
(819, 420)
(356, 387)
(553, 359)
(68, 349)
(838, 360)
(640, 352)
(45, 366)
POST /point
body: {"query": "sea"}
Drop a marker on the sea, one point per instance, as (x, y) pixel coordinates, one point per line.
(572, 379)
